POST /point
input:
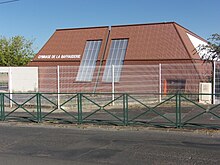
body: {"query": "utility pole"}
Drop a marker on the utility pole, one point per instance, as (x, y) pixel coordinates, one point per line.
(4, 2)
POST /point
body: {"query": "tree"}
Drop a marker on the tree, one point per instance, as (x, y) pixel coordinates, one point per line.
(15, 51)
(215, 44)
(211, 50)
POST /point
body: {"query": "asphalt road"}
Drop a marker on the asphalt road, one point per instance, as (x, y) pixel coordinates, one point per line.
(53, 145)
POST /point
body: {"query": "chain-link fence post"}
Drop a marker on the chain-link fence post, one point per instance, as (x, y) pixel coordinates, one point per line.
(160, 84)
(10, 86)
(113, 84)
(58, 86)
(214, 82)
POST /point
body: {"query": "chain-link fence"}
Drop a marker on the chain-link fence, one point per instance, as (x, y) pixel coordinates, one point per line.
(161, 78)
(185, 94)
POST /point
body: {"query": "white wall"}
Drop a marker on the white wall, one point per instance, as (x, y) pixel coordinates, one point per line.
(4, 69)
(22, 79)
(196, 43)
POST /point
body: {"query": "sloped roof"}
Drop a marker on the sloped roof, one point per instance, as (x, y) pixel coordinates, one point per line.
(70, 41)
(156, 41)
(184, 36)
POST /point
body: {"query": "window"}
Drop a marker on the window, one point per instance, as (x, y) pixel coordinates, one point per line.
(174, 86)
(88, 63)
(115, 58)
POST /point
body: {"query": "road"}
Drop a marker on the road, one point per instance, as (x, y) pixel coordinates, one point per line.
(22, 144)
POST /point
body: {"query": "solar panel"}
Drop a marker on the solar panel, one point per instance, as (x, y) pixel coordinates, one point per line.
(116, 57)
(88, 63)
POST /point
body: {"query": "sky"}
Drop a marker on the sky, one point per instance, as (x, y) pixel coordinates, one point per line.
(38, 19)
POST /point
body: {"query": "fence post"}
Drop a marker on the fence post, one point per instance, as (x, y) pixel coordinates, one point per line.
(160, 88)
(79, 103)
(125, 108)
(113, 84)
(2, 106)
(214, 81)
(39, 115)
(10, 86)
(58, 86)
(178, 113)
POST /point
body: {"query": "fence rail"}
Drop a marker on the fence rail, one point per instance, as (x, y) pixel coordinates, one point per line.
(177, 110)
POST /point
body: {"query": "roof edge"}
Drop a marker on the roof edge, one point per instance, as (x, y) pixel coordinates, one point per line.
(44, 45)
(62, 29)
(181, 39)
(140, 24)
(195, 35)
(123, 25)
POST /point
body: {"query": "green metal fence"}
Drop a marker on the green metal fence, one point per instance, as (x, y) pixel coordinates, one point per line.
(149, 109)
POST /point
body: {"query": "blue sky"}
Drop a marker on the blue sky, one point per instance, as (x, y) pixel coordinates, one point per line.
(38, 19)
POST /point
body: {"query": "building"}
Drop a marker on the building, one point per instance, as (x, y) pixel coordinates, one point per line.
(94, 51)
(143, 44)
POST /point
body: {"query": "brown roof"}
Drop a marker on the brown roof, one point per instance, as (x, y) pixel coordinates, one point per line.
(71, 42)
(156, 41)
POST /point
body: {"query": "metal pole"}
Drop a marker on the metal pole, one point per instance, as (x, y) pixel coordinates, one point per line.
(2, 102)
(113, 84)
(102, 59)
(177, 110)
(79, 104)
(214, 80)
(10, 86)
(160, 89)
(58, 86)
(39, 115)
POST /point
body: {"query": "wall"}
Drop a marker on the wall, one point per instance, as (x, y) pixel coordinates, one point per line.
(21, 79)
(197, 43)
